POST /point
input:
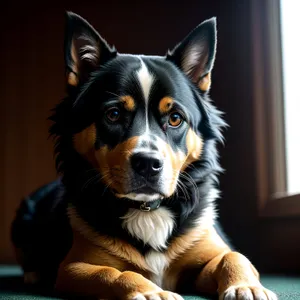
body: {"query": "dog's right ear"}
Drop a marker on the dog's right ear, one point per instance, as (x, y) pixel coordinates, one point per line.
(195, 55)
(85, 49)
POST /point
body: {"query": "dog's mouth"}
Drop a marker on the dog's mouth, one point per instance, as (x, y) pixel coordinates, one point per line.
(145, 190)
(143, 193)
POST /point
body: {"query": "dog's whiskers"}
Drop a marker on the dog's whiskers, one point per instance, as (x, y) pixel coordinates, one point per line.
(90, 181)
(182, 187)
(189, 178)
(106, 188)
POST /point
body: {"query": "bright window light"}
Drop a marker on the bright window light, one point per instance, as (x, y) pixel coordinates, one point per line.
(290, 26)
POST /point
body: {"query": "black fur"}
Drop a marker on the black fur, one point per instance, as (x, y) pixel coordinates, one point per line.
(41, 231)
(96, 203)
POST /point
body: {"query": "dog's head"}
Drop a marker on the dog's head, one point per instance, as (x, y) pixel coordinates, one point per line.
(140, 121)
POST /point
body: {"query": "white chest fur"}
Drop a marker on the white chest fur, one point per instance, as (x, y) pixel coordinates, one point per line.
(152, 228)
(157, 263)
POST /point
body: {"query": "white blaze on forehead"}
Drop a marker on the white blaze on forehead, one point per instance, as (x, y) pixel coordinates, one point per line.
(145, 80)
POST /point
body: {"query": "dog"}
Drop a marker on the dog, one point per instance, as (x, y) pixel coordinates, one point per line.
(132, 215)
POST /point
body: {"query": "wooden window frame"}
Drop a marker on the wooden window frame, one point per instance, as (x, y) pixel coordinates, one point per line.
(273, 200)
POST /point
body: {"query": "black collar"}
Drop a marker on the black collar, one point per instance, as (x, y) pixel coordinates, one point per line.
(145, 206)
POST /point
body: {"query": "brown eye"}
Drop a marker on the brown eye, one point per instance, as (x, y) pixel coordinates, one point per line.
(175, 119)
(113, 114)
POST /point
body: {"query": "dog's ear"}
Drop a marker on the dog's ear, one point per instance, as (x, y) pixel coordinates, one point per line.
(195, 55)
(85, 49)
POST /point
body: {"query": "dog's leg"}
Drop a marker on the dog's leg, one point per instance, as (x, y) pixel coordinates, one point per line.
(108, 283)
(234, 277)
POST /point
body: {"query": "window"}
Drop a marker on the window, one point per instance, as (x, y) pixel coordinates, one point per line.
(290, 24)
(274, 77)
(276, 63)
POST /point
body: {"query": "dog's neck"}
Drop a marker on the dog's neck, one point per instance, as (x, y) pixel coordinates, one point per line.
(145, 206)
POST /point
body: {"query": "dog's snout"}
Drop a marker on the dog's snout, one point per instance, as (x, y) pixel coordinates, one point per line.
(146, 164)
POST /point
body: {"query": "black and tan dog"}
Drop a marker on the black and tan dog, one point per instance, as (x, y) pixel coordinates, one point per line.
(132, 216)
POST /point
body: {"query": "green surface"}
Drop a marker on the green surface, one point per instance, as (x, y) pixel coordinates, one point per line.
(11, 287)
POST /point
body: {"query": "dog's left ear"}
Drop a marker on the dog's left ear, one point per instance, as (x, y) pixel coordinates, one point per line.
(85, 49)
(195, 55)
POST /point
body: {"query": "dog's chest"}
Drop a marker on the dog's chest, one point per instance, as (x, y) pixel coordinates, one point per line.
(157, 263)
(152, 228)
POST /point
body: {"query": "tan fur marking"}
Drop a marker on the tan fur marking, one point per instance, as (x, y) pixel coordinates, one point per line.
(192, 250)
(72, 79)
(222, 267)
(131, 283)
(84, 141)
(178, 247)
(79, 278)
(165, 105)
(84, 144)
(128, 102)
(205, 82)
(194, 145)
(176, 159)
(179, 160)
(114, 246)
(72, 76)
(234, 269)
(114, 163)
(75, 58)
(184, 242)
(84, 279)
(101, 266)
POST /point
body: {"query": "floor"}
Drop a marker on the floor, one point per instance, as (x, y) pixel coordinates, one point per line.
(11, 287)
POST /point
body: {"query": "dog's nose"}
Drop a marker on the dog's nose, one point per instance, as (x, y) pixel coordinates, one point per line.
(146, 164)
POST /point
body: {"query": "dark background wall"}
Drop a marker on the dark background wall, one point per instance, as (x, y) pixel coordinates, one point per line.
(32, 81)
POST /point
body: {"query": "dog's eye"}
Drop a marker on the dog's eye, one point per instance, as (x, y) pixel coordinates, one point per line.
(113, 114)
(175, 119)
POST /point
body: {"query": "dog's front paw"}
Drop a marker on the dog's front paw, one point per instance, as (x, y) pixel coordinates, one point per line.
(246, 292)
(163, 295)
(133, 286)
